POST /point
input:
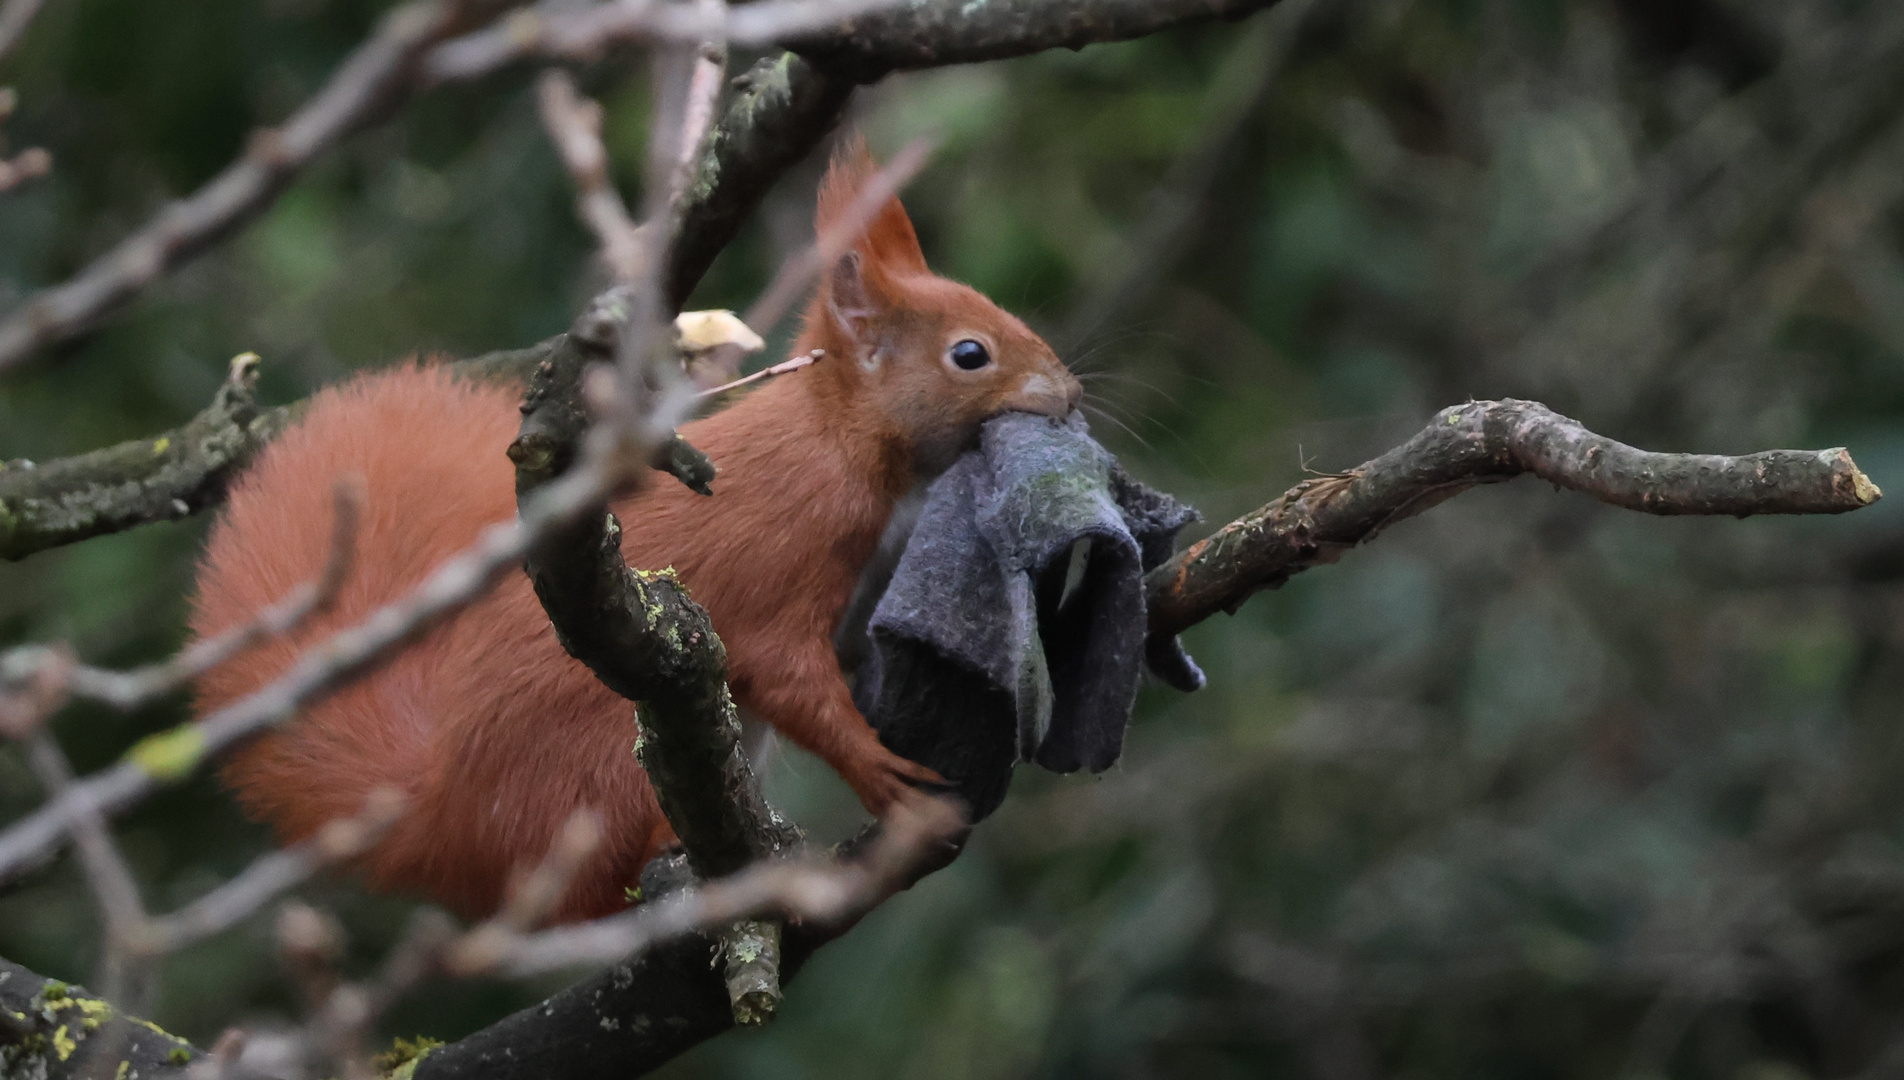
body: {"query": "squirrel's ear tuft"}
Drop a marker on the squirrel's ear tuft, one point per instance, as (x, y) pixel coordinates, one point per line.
(888, 243)
(852, 302)
(848, 300)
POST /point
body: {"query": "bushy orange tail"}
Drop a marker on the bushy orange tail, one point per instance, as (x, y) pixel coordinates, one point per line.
(495, 735)
(410, 437)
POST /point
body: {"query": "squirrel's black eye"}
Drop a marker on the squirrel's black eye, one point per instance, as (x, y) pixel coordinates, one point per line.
(969, 355)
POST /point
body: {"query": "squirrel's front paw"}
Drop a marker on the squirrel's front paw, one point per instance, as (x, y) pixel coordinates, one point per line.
(885, 778)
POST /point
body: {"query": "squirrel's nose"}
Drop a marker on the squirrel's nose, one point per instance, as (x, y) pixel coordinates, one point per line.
(1040, 393)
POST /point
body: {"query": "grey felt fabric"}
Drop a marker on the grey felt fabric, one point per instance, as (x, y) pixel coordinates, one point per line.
(1014, 626)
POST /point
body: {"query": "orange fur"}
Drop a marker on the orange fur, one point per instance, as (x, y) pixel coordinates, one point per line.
(495, 733)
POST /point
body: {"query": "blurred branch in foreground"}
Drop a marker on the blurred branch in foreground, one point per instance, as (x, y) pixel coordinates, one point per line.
(371, 82)
(385, 72)
(31, 162)
(61, 1030)
(15, 17)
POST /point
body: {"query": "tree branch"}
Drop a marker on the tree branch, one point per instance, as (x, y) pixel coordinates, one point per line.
(1484, 442)
(942, 32)
(646, 640)
(171, 756)
(651, 1008)
(123, 974)
(787, 106)
(642, 636)
(365, 88)
(173, 475)
(784, 108)
(667, 1000)
(574, 124)
(271, 876)
(50, 1029)
(585, 34)
(144, 480)
(128, 690)
(33, 161)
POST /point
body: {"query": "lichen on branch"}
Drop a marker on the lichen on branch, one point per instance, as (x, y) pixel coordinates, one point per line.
(639, 632)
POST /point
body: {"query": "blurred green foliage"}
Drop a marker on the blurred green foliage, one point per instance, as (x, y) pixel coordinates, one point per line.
(1531, 787)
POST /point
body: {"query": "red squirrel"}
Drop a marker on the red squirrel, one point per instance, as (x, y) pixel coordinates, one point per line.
(495, 734)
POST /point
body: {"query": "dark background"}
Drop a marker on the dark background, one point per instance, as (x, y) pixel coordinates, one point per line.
(1530, 787)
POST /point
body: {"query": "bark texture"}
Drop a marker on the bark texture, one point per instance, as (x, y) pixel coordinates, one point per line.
(164, 478)
(1484, 442)
(51, 1029)
(640, 633)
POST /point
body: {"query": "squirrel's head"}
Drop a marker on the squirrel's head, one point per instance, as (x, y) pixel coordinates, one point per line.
(927, 359)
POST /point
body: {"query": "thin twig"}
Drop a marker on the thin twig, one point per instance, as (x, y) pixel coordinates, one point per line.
(34, 684)
(584, 35)
(708, 73)
(127, 690)
(171, 756)
(652, 394)
(346, 1010)
(31, 162)
(28, 164)
(784, 367)
(310, 942)
(798, 272)
(872, 37)
(819, 891)
(371, 82)
(342, 1012)
(106, 868)
(574, 124)
(533, 896)
(15, 17)
(108, 875)
(222, 1058)
(271, 876)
